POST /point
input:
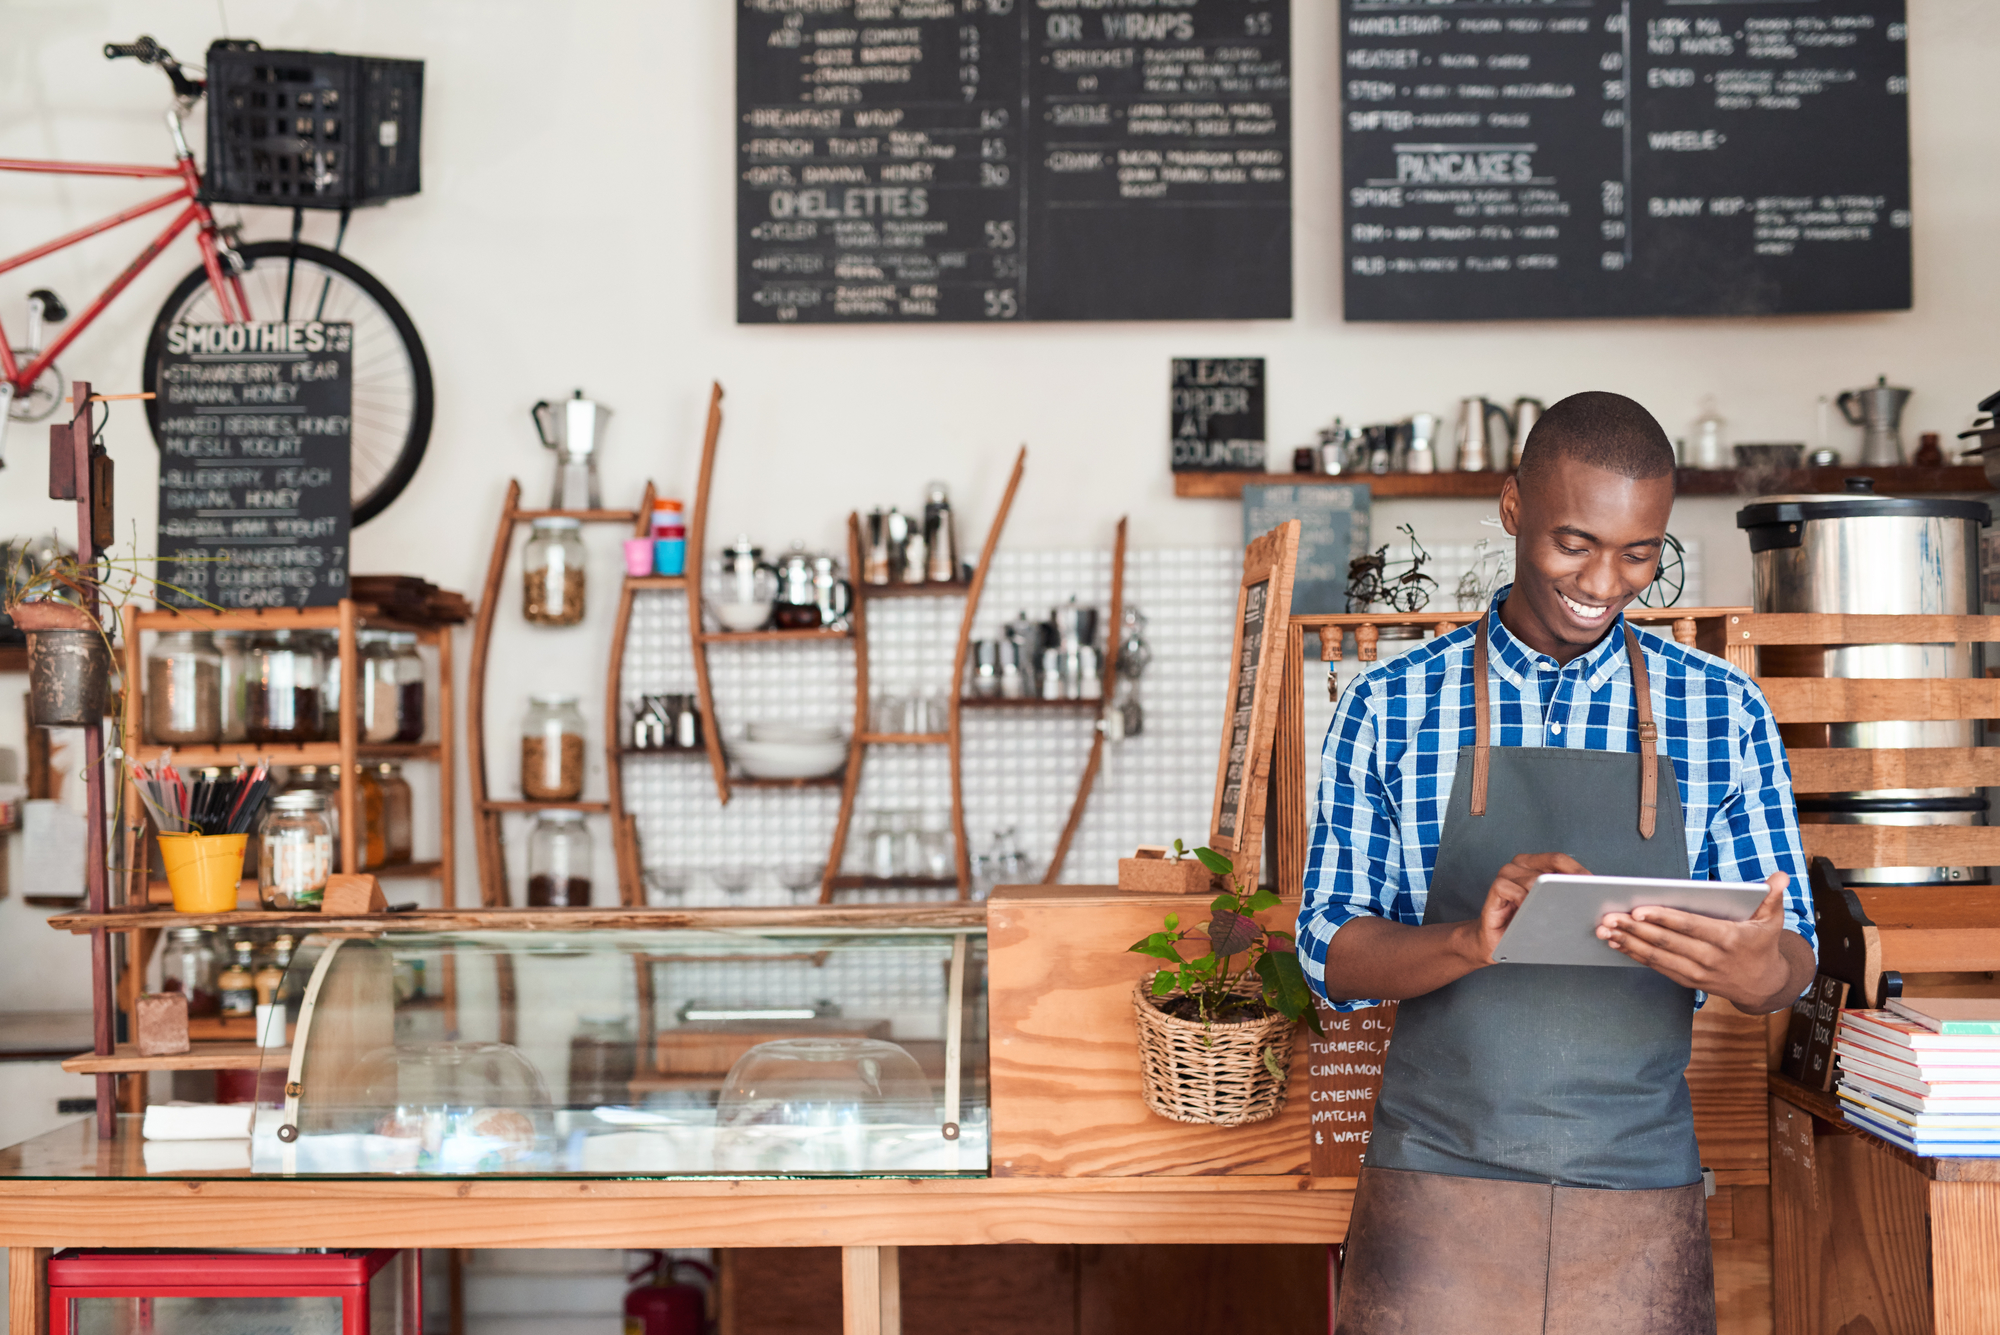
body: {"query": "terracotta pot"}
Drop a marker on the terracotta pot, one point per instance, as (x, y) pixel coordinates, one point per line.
(69, 678)
(1211, 1073)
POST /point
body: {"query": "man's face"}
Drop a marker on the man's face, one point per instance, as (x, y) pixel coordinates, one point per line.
(1586, 543)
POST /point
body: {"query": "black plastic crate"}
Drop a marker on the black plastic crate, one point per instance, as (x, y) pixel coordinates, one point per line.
(311, 129)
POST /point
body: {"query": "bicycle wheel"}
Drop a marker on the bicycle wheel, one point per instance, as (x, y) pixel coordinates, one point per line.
(392, 400)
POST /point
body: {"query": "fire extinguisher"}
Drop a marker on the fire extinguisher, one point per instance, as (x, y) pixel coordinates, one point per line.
(662, 1306)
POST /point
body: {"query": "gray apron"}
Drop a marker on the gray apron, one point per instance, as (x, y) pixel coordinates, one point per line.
(1539, 1092)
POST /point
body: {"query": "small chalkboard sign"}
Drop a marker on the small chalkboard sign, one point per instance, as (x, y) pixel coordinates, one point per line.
(1256, 672)
(1344, 1077)
(1333, 531)
(254, 431)
(1217, 414)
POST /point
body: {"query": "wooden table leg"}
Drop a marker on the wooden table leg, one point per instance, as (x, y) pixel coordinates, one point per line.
(871, 1291)
(27, 1290)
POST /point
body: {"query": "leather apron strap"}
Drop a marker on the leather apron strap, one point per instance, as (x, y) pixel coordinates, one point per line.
(1642, 695)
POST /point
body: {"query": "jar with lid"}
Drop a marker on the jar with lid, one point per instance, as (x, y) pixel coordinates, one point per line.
(188, 967)
(409, 686)
(559, 861)
(184, 690)
(552, 577)
(552, 749)
(329, 683)
(371, 847)
(381, 699)
(603, 1058)
(281, 690)
(235, 667)
(324, 780)
(236, 984)
(398, 826)
(294, 852)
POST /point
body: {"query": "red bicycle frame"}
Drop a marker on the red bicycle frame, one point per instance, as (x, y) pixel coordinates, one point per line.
(228, 287)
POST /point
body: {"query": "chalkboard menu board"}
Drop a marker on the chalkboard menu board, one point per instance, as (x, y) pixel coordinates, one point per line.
(1344, 1076)
(1216, 408)
(1333, 531)
(995, 160)
(1623, 157)
(254, 433)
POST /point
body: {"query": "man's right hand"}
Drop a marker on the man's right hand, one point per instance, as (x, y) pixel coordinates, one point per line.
(1479, 936)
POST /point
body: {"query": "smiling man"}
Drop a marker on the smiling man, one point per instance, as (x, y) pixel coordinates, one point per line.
(1533, 1166)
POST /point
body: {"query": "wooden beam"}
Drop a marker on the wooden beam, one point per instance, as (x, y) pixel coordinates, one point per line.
(198, 1057)
(1870, 699)
(871, 1293)
(873, 917)
(1850, 846)
(28, 1290)
(1687, 482)
(1843, 628)
(1846, 769)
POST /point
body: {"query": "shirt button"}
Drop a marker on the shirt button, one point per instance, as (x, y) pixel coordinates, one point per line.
(1555, 727)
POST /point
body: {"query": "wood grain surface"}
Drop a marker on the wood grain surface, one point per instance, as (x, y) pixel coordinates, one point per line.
(1964, 1233)
(1904, 846)
(27, 1293)
(1870, 699)
(1841, 769)
(198, 1057)
(1815, 628)
(1726, 1081)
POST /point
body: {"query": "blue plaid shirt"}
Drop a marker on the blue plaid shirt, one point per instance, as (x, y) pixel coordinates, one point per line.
(1387, 767)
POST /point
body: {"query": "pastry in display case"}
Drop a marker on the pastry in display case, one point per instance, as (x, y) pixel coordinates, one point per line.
(734, 1052)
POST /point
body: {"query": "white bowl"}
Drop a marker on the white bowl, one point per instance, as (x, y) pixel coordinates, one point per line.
(789, 760)
(795, 733)
(742, 616)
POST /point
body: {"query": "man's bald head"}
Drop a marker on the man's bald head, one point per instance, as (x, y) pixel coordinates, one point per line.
(1601, 429)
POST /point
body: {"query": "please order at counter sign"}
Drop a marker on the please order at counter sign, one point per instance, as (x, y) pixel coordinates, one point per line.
(1216, 412)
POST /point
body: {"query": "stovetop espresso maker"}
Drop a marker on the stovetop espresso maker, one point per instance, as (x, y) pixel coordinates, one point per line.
(573, 428)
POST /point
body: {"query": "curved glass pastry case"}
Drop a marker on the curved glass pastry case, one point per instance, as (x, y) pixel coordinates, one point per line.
(724, 1051)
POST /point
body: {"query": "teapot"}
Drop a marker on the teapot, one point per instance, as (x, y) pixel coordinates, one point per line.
(1878, 411)
(798, 598)
(573, 430)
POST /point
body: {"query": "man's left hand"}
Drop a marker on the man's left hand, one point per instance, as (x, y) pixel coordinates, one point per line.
(1742, 962)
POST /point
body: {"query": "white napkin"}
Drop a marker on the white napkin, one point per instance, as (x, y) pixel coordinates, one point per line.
(199, 1121)
(197, 1156)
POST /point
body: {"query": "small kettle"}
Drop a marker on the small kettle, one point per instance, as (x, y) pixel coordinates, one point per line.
(1480, 449)
(1878, 411)
(1527, 412)
(573, 429)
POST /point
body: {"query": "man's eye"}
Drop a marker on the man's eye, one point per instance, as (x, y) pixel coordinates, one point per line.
(1569, 551)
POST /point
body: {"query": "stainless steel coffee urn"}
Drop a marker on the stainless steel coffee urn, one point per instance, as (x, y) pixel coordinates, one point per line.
(1862, 553)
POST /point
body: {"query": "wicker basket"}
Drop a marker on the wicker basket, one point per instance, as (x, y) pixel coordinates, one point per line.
(1211, 1073)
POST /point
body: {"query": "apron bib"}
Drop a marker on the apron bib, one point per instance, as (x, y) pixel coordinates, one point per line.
(1558, 1084)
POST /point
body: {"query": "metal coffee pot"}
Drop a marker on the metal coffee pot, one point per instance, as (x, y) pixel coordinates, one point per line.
(745, 577)
(1527, 412)
(834, 595)
(797, 603)
(1481, 449)
(1878, 411)
(573, 428)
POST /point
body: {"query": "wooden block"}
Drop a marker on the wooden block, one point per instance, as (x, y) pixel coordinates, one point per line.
(1159, 875)
(160, 1024)
(350, 893)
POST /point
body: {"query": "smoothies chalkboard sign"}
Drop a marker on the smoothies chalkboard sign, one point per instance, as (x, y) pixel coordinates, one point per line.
(254, 431)
(1006, 160)
(1256, 674)
(1624, 157)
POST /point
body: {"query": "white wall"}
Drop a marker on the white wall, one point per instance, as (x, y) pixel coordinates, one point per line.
(576, 228)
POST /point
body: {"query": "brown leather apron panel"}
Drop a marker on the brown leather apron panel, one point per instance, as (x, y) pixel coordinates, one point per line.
(1432, 1254)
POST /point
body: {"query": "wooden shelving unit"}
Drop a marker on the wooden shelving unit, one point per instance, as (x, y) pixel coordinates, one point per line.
(1687, 482)
(859, 917)
(228, 1056)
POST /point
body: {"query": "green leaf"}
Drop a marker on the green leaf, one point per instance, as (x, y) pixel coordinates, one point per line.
(1165, 982)
(1229, 933)
(1173, 921)
(1224, 903)
(1207, 964)
(1262, 900)
(1166, 952)
(1216, 863)
(1271, 1064)
(1312, 1018)
(1180, 850)
(1291, 994)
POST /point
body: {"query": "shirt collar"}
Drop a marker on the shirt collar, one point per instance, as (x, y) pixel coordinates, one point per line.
(1515, 661)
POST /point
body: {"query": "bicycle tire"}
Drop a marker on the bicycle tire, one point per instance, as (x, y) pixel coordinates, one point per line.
(375, 487)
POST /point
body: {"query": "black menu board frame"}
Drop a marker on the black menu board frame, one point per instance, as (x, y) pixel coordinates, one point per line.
(1617, 158)
(255, 428)
(991, 161)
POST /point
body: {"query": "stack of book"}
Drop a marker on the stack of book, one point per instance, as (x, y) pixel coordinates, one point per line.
(1924, 1074)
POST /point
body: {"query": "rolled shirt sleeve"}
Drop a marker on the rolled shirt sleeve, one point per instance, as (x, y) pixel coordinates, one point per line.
(1350, 869)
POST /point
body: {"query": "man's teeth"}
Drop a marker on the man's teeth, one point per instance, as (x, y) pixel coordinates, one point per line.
(1586, 612)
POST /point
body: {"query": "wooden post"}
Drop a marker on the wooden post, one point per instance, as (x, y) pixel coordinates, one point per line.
(871, 1297)
(447, 778)
(27, 1290)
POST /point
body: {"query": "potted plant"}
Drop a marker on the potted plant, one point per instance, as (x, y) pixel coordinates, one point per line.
(1216, 1027)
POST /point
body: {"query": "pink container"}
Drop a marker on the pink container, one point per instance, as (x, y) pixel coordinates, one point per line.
(638, 556)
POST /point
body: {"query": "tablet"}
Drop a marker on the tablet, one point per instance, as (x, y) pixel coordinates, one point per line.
(1557, 923)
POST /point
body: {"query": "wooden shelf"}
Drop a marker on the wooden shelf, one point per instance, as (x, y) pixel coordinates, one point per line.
(13, 658)
(367, 616)
(545, 806)
(940, 590)
(581, 516)
(996, 702)
(952, 916)
(160, 893)
(689, 751)
(656, 581)
(904, 739)
(749, 636)
(1687, 482)
(285, 753)
(199, 1057)
(892, 882)
(832, 780)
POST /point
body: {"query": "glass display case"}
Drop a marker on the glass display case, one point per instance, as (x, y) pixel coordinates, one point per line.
(736, 1052)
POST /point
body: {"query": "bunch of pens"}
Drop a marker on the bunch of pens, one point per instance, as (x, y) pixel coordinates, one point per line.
(207, 806)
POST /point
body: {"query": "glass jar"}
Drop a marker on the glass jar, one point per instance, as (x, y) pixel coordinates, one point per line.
(184, 690)
(235, 667)
(939, 862)
(409, 686)
(398, 827)
(329, 683)
(603, 1058)
(188, 967)
(881, 844)
(559, 861)
(281, 691)
(552, 573)
(370, 836)
(325, 781)
(294, 852)
(236, 985)
(909, 844)
(552, 749)
(381, 699)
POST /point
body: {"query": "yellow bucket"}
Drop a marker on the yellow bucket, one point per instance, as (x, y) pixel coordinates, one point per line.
(202, 870)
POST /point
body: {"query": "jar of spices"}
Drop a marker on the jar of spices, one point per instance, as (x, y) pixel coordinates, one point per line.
(236, 984)
(329, 683)
(559, 861)
(184, 690)
(325, 781)
(398, 828)
(381, 698)
(235, 667)
(603, 1058)
(552, 573)
(552, 749)
(188, 967)
(409, 686)
(295, 852)
(370, 842)
(281, 696)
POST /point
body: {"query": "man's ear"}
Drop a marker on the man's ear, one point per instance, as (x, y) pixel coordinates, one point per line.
(1510, 507)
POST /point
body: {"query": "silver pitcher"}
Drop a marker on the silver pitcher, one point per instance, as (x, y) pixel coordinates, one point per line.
(1878, 411)
(1421, 454)
(574, 429)
(1527, 412)
(834, 595)
(1480, 449)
